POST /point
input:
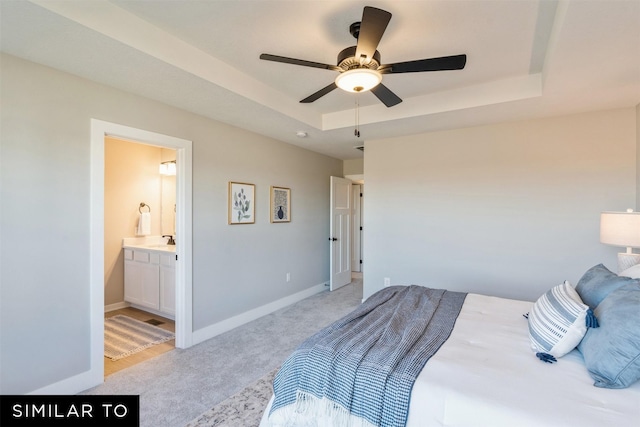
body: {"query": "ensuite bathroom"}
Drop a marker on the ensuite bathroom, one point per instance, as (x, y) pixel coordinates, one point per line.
(139, 241)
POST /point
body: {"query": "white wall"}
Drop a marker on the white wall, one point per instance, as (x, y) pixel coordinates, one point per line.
(45, 170)
(509, 209)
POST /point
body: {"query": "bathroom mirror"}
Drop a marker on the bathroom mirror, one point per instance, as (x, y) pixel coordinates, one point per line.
(168, 208)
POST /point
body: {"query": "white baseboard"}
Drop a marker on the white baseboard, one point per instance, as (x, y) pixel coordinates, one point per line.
(85, 380)
(116, 306)
(71, 385)
(233, 322)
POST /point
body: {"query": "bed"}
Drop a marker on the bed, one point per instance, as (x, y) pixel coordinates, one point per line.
(485, 373)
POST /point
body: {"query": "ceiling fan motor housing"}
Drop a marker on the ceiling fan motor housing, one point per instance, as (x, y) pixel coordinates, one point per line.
(354, 29)
(347, 60)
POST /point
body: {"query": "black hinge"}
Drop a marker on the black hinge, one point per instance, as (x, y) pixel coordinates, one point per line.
(360, 194)
(176, 257)
(360, 228)
(360, 261)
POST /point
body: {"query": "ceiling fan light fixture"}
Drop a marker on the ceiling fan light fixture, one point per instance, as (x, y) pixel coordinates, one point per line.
(358, 80)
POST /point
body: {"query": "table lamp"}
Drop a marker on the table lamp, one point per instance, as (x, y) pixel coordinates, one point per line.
(622, 229)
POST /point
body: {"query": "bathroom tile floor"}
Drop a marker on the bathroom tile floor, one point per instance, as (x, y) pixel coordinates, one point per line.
(112, 366)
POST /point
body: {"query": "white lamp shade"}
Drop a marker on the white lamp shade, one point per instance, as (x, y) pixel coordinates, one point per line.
(620, 229)
(358, 80)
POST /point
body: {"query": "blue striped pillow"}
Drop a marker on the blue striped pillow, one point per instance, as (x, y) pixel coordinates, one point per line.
(558, 322)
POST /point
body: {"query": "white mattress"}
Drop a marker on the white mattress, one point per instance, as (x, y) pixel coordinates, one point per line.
(486, 374)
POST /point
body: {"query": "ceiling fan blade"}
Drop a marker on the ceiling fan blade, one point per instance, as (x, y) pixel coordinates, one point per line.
(322, 92)
(456, 62)
(284, 59)
(385, 95)
(374, 23)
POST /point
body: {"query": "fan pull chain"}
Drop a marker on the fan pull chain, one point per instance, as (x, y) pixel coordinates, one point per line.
(356, 132)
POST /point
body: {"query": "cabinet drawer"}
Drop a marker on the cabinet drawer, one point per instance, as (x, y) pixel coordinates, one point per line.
(154, 258)
(141, 256)
(128, 254)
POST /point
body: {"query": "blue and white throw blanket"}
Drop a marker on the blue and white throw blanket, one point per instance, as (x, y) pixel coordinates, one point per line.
(360, 370)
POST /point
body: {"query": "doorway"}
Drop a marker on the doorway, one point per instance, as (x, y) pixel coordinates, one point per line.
(183, 317)
(137, 174)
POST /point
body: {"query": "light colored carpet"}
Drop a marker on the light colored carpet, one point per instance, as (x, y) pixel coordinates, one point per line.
(177, 386)
(124, 336)
(243, 409)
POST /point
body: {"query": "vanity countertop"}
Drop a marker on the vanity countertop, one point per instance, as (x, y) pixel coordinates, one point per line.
(159, 248)
(150, 243)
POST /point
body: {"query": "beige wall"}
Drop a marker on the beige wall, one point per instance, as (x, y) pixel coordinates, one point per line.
(508, 209)
(131, 177)
(353, 167)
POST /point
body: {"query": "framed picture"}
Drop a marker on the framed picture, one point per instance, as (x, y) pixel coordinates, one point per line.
(280, 204)
(242, 203)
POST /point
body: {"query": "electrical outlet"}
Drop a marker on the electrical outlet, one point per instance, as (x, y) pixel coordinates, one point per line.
(288, 277)
(387, 282)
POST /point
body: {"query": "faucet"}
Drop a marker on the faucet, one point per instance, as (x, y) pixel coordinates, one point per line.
(171, 241)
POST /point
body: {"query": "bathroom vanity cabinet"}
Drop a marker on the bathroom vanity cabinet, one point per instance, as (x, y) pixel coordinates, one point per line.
(150, 280)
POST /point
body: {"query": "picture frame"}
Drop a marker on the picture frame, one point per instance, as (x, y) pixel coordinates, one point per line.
(280, 205)
(242, 203)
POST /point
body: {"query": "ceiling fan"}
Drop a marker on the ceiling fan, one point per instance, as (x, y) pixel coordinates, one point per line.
(360, 67)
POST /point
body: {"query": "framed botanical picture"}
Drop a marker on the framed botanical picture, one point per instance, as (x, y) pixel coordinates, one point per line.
(242, 203)
(280, 204)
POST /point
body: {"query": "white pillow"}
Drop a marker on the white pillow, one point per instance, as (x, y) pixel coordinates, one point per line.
(633, 272)
(558, 322)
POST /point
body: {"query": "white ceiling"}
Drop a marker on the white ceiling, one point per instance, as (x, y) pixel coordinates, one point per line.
(525, 59)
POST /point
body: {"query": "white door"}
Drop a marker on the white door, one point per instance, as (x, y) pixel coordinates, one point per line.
(340, 239)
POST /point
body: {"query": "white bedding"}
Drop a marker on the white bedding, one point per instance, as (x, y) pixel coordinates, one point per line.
(486, 374)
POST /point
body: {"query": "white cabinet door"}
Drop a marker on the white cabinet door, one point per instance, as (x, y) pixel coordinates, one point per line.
(150, 286)
(142, 279)
(168, 284)
(133, 282)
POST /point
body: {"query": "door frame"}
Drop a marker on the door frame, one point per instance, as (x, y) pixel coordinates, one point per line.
(184, 289)
(357, 190)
